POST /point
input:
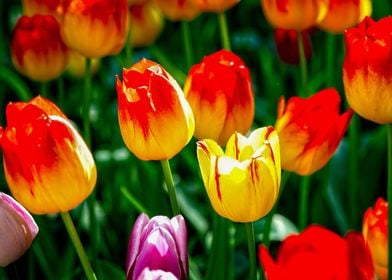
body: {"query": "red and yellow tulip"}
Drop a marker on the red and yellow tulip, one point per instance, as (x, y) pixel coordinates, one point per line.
(344, 14)
(242, 182)
(42, 7)
(95, 28)
(220, 93)
(47, 165)
(367, 71)
(176, 10)
(216, 6)
(310, 130)
(375, 232)
(155, 119)
(37, 49)
(294, 14)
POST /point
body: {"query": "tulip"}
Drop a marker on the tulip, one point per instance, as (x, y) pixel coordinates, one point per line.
(178, 9)
(367, 74)
(43, 7)
(37, 49)
(95, 28)
(47, 165)
(375, 232)
(243, 182)
(155, 119)
(286, 42)
(159, 245)
(17, 230)
(294, 14)
(157, 274)
(220, 93)
(146, 23)
(216, 6)
(310, 130)
(343, 14)
(318, 253)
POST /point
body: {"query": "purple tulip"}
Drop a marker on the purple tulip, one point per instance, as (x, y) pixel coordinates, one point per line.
(158, 274)
(17, 230)
(158, 244)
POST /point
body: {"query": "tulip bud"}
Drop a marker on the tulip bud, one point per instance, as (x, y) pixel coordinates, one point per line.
(37, 49)
(156, 121)
(47, 165)
(220, 93)
(95, 28)
(343, 14)
(158, 245)
(367, 71)
(294, 14)
(216, 6)
(176, 10)
(242, 183)
(286, 42)
(146, 23)
(375, 232)
(17, 230)
(310, 130)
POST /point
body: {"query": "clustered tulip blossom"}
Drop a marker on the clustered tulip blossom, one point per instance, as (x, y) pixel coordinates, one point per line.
(47, 165)
(367, 72)
(37, 49)
(318, 253)
(310, 130)
(17, 230)
(155, 119)
(219, 90)
(158, 249)
(375, 232)
(242, 182)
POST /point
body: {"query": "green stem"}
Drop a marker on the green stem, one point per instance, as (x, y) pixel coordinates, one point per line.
(170, 186)
(9, 78)
(331, 60)
(353, 166)
(303, 202)
(268, 219)
(86, 104)
(44, 89)
(389, 191)
(78, 245)
(128, 50)
(252, 251)
(138, 206)
(224, 31)
(186, 35)
(60, 89)
(303, 65)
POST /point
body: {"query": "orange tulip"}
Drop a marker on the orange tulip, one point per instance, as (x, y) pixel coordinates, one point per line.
(178, 9)
(343, 14)
(95, 28)
(367, 71)
(146, 23)
(310, 130)
(375, 232)
(216, 6)
(156, 121)
(37, 49)
(47, 165)
(294, 14)
(43, 7)
(220, 93)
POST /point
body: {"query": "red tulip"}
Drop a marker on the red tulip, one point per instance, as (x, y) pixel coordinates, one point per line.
(286, 42)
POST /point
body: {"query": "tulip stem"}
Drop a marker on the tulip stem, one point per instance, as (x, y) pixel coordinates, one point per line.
(73, 234)
(252, 251)
(9, 78)
(389, 194)
(268, 219)
(136, 204)
(128, 50)
(353, 170)
(86, 105)
(224, 31)
(44, 89)
(170, 186)
(303, 65)
(303, 202)
(186, 35)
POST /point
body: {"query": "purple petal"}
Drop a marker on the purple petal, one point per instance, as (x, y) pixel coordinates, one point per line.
(157, 274)
(180, 235)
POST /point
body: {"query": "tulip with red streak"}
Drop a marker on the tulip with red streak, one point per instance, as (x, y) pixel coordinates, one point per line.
(48, 166)
(367, 71)
(310, 130)
(155, 119)
(37, 49)
(375, 232)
